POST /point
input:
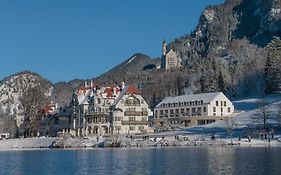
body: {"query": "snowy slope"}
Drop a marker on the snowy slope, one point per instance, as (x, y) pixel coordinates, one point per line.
(11, 89)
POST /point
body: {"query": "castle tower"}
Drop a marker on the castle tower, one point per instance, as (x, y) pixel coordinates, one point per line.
(164, 48)
(163, 58)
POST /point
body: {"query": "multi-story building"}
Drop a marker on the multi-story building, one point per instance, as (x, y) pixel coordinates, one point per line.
(94, 108)
(197, 109)
(129, 113)
(110, 110)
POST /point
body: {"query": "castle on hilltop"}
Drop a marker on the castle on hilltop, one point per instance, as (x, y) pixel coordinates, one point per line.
(170, 59)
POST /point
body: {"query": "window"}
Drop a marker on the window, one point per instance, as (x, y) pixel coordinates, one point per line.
(221, 103)
(141, 128)
(132, 118)
(221, 109)
(177, 111)
(132, 128)
(188, 111)
(161, 112)
(211, 121)
(204, 109)
(143, 118)
(182, 111)
(99, 101)
(193, 110)
(171, 111)
(224, 103)
(217, 103)
(214, 109)
(166, 111)
(228, 109)
(199, 111)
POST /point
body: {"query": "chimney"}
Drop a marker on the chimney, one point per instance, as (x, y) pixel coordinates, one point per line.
(123, 85)
(86, 85)
(92, 84)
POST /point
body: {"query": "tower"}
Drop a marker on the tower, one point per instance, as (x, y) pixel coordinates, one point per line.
(163, 58)
(164, 48)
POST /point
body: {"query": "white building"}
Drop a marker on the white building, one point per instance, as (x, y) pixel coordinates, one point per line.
(197, 109)
(94, 108)
(170, 59)
(129, 113)
(110, 110)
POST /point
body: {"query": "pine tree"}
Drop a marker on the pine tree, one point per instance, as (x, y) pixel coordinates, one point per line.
(273, 67)
(221, 83)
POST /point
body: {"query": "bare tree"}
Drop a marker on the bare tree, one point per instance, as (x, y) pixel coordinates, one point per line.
(263, 113)
(229, 127)
(33, 99)
(279, 115)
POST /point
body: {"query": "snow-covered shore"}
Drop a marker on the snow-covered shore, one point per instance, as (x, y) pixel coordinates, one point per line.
(153, 141)
(43, 142)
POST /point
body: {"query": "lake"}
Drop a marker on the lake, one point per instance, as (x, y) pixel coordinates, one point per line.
(144, 161)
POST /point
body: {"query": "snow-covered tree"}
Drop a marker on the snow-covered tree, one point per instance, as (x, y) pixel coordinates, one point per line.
(229, 126)
(272, 67)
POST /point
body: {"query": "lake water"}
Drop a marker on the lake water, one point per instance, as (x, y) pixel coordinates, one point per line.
(156, 161)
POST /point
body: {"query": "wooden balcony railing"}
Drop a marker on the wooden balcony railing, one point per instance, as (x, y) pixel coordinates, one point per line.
(135, 113)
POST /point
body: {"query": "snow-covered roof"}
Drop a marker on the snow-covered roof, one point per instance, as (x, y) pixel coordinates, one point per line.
(129, 89)
(206, 97)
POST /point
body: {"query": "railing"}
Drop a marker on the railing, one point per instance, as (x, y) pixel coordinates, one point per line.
(97, 113)
(134, 122)
(135, 113)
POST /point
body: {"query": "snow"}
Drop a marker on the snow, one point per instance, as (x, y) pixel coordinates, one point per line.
(43, 142)
(209, 15)
(132, 59)
(274, 12)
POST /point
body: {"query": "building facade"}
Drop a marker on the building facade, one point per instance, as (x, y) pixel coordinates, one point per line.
(170, 59)
(110, 110)
(189, 110)
(94, 108)
(129, 113)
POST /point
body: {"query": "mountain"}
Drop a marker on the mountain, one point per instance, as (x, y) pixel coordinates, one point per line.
(134, 65)
(12, 89)
(230, 42)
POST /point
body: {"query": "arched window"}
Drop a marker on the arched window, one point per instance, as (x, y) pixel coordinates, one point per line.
(99, 101)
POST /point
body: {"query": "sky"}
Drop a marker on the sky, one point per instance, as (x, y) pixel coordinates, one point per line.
(67, 39)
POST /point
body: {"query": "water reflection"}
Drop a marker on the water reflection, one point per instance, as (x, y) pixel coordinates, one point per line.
(191, 160)
(221, 160)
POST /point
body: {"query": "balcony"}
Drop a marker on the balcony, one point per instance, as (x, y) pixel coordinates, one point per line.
(135, 113)
(134, 122)
(97, 113)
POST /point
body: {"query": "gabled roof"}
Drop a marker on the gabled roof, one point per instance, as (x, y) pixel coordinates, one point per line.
(111, 90)
(129, 89)
(206, 97)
